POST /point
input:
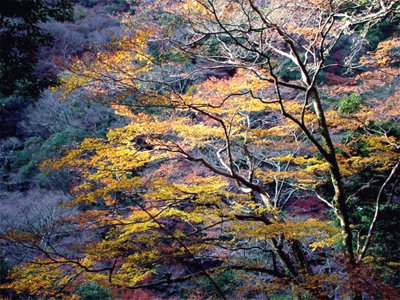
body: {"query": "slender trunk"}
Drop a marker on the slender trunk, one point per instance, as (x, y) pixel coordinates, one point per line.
(377, 211)
(286, 261)
(339, 198)
(298, 252)
(342, 213)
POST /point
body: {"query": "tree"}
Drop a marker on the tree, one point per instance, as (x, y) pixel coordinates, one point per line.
(21, 38)
(204, 175)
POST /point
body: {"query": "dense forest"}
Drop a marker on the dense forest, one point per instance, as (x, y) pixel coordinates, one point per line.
(200, 149)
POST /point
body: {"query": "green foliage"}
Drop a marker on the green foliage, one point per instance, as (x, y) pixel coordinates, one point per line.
(391, 127)
(386, 237)
(94, 291)
(351, 103)
(38, 149)
(288, 71)
(380, 32)
(88, 3)
(53, 127)
(282, 297)
(111, 9)
(287, 297)
(79, 14)
(225, 281)
(4, 267)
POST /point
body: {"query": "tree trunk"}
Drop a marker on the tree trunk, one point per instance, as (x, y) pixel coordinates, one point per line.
(339, 199)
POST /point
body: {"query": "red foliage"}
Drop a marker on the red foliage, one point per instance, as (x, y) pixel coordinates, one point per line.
(138, 294)
(307, 207)
(367, 280)
(333, 79)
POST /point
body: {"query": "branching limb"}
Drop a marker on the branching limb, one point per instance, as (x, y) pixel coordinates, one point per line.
(378, 202)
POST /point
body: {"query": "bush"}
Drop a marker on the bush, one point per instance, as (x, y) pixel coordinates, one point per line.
(94, 291)
(4, 267)
(225, 280)
(350, 103)
(88, 3)
(288, 70)
(380, 32)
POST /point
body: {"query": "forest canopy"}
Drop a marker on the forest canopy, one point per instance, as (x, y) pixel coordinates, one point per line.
(236, 149)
